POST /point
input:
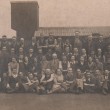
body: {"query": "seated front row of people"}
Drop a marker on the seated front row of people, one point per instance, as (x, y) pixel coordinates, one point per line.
(56, 82)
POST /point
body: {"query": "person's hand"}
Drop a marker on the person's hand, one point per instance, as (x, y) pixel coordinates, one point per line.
(30, 84)
(33, 68)
(8, 86)
(17, 85)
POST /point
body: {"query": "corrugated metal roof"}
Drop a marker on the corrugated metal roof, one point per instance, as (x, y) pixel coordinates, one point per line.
(69, 31)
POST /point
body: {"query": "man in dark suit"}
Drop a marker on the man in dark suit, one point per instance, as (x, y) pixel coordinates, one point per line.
(99, 65)
(82, 65)
(5, 43)
(73, 65)
(33, 45)
(23, 44)
(77, 42)
(106, 82)
(14, 44)
(89, 45)
(31, 59)
(67, 53)
(54, 63)
(89, 83)
(107, 58)
(100, 44)
(13, 82)
(4, 60)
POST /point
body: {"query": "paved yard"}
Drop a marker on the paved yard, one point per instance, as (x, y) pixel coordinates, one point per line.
(54, 102)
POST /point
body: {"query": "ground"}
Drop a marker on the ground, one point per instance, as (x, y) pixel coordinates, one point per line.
(54, 102)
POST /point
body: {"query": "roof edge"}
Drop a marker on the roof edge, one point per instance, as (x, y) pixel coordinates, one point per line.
(78, 27)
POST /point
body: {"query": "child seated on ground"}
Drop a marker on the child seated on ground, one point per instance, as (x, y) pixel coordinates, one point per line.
(13, 82)
(79, 81)
(59, 84)
(4, 82)
(105, 82)
(23, 87)
(98, 81)
(32, 84)
(89, 83)
(70, 80)
(46, 82)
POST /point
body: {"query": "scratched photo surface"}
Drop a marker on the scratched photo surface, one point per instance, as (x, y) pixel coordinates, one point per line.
(60, 61)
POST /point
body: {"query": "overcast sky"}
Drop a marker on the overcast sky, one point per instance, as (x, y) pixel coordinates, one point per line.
(61, 13)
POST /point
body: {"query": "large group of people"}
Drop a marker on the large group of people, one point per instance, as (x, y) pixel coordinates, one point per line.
(55, 65)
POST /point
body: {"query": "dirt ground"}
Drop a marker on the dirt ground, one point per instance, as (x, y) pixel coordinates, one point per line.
(54, 102)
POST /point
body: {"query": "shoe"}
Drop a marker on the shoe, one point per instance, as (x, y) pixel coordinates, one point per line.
(104, 92)
(49, 92)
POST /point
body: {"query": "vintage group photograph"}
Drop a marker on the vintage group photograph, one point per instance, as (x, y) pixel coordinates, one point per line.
(55, 54)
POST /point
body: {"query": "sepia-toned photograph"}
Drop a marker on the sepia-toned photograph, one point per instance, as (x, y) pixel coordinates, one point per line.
(55, 55)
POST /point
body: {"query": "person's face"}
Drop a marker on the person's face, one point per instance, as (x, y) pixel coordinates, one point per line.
(13, 60)
(51, 38)
(4, 49)
(12, 50)
(101, 38)
(109, 48)
(54, 56)
(106, 72)
(14, 39)
(59, 72)
(97, 60)
(26, 59)
(31, 51)
(21, 50)
(82, 59)
(43, 58)
(22, 40)
(75, 50)
(40, 51)
(99, 51)
(92, 53)
(4, 38)
(50, 51)
(78, 71)
(83, 51)
(77, 35)
(67, 41)
(35, 60)
(31, 76)
(57, 48)
(90, 38)
(33, 39)
(48, 72)
(72, 58)
(97, 72)
(59, 39)
(90, 59)
(70, 71)
(21, 74)
(88, 75)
